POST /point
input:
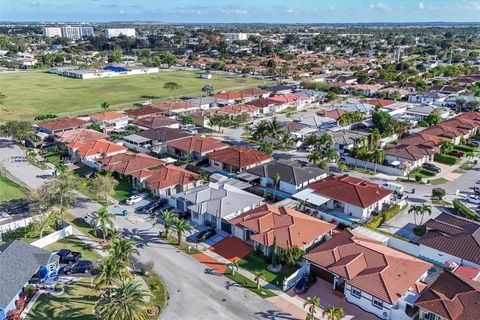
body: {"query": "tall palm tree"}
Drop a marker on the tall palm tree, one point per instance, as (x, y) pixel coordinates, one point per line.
(314, 157)
(285, 140)
(261, 129)
(424, 208)
(415, 210)
(274, 127)
(266, 147)
(312, 303)
(167, 217)
(110, 273)
(104, 106)
(374, 137)
(331, 154)
(333, 313)
(103, 221)
(325, 140)
(127, 300)
(181, 226)
(258, 277)
(377, 156)
(277, 179)
(122, 249)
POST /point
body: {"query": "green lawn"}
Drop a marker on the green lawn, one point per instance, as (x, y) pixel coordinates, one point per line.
(123, 191)
(248, 284)
(436, 182)
(29, 94)
(254, 264)
(11, 190)
(83, 227)
(76, 303)
(75, 244)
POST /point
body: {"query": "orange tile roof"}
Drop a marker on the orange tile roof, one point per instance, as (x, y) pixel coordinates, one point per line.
(197, 144)
(240, 157)
(238, 108)
(79, 135)
(284, 225)
(129, 162)
(378, 102)
(109, 115)
(62, 123)
(231, 95)
(91, 148)
(369, 265)
(166, 176)
(175, 105)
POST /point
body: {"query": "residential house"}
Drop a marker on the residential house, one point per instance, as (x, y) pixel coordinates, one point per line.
(408, 156)
(331, 113)
(344, 140)
(237, 159)
(194, 147)
(79, 135)
(165, 181)
(215, 204)
(314, 121)
(254, 94)
(450, 297)
(144, 111)
(124, 164)
(451, 238)
(446, 89)
(280, 89)
(314, 96)
(19, 262)
(264, 106)
(155, 122)
(154, 140)
(353, 106)
(285, 101)
(238, 109)
(419, 113)
(232, 97)
(110, 120)
(292, 177)
(57, 125)
(287, 228)
(345, 197)
(204, 103)
(297, 130)
(378, 279)
(175, 107)
(434, 98)
(88, 152)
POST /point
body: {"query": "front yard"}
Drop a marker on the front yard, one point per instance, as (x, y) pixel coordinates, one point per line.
(75, 244)
(123, 191)
(11, 190)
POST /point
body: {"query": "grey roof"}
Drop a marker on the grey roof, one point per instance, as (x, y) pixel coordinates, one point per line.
(218, 199)
(357, 106)
(19, 261)
(427, 109)
(136, 138)
(315, 121)
(345, 137)
(310, 93)
(203, 100)
(289, 173)
(163, 134)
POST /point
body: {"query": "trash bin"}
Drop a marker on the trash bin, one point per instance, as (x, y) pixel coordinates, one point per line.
(475, 162)
(413, 190)
(124, 213)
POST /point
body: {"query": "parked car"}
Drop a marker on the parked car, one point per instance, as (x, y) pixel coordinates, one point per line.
(205, 234)
(69, 256)
(90, 218)
(431, 167)
(154, 206)
(184, 215)
(476, 189)
(304, 284)
(457, 153)
(134, 199)
(82, 266)
(473, 199)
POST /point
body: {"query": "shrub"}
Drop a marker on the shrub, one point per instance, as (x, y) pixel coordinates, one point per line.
(464, 210)
(29, 291)
(419, 230)
(463, 148)
(445, 158)
(438, 193)
(418, 178)
(58, 287)
(385, 216)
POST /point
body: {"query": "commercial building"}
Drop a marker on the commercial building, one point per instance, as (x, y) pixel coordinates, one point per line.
(111, 33)
(232, 36)
(74, 33)
(52, 32)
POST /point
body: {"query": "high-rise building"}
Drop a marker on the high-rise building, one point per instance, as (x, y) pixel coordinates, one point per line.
(129, 32)
(52, 32)
(86, 31)
(74, 33)
(232, 36)
(71, 33)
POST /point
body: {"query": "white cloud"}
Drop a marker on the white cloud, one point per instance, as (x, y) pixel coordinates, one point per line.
(421, 6)
(380, 6)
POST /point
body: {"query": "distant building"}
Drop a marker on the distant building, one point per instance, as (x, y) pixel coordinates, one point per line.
(111, 33)
(232, 36)
(52, 32)
(74, 33)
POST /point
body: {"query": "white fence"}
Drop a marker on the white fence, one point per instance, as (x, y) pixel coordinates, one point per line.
(294, 277)
(371, 166)
(53, 237)
(18, 224)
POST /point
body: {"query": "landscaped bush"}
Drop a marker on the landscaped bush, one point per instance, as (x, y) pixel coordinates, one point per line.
(464, 210)
(418, 178)
(464, 148)
(427, 172)
(419, 230)
(438, 193)
(445, 159)
(385, 216)
(58, 287)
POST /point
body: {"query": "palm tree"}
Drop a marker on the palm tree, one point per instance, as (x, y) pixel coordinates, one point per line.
(424, 208)
(122, 249)
(331, 154)
(377, 156)
(274, 127)
(127, 300)
(285, 139)
(181, 226)
(374, 137)
(415, 209)
(110, 273)
(325, 140)
(446, 147)
(277, 179)
(234, 266)
(104, 106)
(171, 86)
(258, 277)
(261, 130)
(333, 313)
(314, 157)
(312, 303)
(266, 147)
(103, 221)
(167, 217)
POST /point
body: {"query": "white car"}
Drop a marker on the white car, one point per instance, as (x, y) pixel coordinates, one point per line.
(473, 199)
(133, 200)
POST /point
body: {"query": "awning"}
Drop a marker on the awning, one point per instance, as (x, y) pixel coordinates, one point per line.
(309, 195)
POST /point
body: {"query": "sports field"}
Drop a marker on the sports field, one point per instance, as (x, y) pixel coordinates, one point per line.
(29, 94)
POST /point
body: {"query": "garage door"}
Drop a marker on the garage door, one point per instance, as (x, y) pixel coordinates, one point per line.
(319, 272)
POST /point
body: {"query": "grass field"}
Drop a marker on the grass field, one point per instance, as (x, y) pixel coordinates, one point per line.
(29, 94)
(11, 190)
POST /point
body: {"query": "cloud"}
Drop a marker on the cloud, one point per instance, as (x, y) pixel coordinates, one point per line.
(421, 6)
(381, 6)
(471, 5)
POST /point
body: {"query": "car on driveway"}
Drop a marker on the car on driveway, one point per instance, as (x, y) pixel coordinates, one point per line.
(473, 199)
(154, 206)
(134, 199)
(431, 167)
(82, 266)
(304, 284)
(205, 234)
(68, 256)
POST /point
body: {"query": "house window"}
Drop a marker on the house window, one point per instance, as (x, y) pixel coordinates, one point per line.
(430, 316)
(195, 215)
(377, 303)
(356, 293)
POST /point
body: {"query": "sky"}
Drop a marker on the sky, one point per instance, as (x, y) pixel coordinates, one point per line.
(244, 11)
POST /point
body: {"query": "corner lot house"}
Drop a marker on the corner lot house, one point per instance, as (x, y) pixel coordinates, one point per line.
(19, 262)
(286, 227)
(237, 159)
(79, 135)
(450, 297)
(345, 196)
(293, 178)
(215, 204)
(110, 120)
(451, 238)
(195, 147)
(370, 275)
(124, 164)
(61, 124)
(88, 152)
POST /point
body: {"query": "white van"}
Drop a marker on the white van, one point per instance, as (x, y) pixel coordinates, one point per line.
(90, 218)
(395, 187)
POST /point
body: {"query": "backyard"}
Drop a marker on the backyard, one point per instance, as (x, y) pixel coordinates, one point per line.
(49, 93)
(11, 190)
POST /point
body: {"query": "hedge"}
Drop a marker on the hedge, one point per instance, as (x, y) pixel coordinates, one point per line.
(464, 148)
(461, 208)
(384, 216)
(445, 158)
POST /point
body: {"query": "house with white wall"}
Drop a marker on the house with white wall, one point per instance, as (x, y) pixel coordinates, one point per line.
(89, 151)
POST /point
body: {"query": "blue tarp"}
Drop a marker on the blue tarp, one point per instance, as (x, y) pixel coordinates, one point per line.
(115, 69)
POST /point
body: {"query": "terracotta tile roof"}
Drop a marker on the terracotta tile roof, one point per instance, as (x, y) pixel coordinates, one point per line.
(232, 95)
(197, 144)
(63, 123)
(352, 190)
(163, 134)
(287, 226)
(254, 92)
(454, 235)
(175, 105)
(369, 265)
(452, 297)
(240, 157)
(79, 135)
(263, 103)
(98, 147)
(334, 113)
(109, 115)
(286, 98)
(238, 109)
(468, 272)
(143, 111)
(409, 152)
(154, 122)
(166, 176)
(379, 102)
(127, 163)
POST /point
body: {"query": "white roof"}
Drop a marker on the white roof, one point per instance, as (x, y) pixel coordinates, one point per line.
(310, 196)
